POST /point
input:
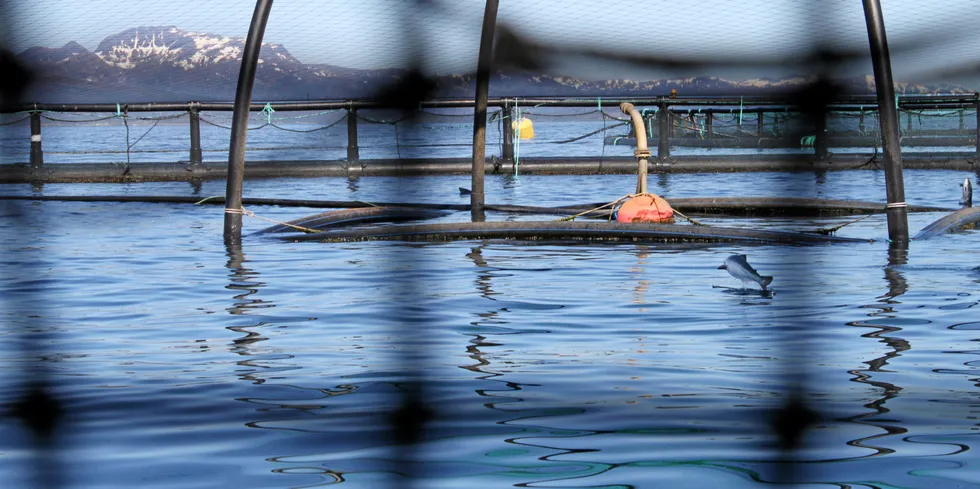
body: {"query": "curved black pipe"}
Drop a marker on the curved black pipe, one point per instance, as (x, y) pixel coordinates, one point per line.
(961, 219)
(743, 206)
(565, 230)
(898, 220)
(354, 216)
(239, 121)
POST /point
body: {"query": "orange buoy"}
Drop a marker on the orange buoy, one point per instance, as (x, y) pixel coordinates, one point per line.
(645, 208)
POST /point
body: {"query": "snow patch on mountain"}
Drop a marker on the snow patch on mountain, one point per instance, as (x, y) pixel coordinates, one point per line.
(128, 55)
(187, 50)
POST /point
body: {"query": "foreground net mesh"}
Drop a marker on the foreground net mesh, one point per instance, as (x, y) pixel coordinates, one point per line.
(121, 53)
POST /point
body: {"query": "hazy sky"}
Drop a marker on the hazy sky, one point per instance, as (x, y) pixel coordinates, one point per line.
(382, 33)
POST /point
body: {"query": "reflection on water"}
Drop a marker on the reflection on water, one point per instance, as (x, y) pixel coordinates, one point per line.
(188, 363)
(244, 282)
(887, 335)
(353, 183)
(639, 272)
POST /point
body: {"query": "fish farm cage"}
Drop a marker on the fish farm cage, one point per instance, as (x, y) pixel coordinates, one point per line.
(163, 104)
(144, 141)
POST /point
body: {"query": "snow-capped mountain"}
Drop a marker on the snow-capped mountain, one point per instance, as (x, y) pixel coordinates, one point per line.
(174, 65)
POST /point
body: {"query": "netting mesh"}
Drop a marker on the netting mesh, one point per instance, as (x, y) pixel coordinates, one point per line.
(115, 51)
(142, 51)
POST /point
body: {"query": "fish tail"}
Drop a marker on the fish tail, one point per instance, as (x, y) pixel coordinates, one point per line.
(766, 281)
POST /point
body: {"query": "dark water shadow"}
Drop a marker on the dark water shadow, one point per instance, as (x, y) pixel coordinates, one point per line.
(37, 409)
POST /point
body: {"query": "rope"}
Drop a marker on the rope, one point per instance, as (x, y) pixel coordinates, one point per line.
(248, 213)
(896, 205)
(47, 117)
(144, 135)
(602, 155)
(307, 116)
(379, 121)
(398, 146)
(578, 138)
(836, 228)
(136, 151)
(321, 128)
(202, 119)
(603, 206)
(209, 198)
(516, 129)
(437, 114)
(576, 114)
(268, 110)
(125, 123)
(692, 221)
(14, 122)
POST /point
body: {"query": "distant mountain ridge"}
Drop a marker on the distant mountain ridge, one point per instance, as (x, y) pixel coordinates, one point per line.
(151, 64)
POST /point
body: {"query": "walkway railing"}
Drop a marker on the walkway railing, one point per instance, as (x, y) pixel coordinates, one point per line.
(721, 124)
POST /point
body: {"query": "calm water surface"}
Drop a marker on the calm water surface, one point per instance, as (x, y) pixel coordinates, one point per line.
(183, 363)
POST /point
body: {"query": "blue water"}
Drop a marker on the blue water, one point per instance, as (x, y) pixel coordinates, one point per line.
(183, 363)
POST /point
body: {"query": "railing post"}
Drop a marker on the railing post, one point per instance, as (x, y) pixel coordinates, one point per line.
(195, 117)
(37, 155)
(483, 68)
(708, 124)
(663, 140)
(353, 153)
(896, 209)
(976, 132)
(507, 120)
(820, 141)
(760, 124)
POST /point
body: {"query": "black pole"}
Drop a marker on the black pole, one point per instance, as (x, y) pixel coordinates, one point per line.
(898, 219)
(507, 120)
(195, 116)
(353, 153)
(239, 121)
(480, 118)
(663, 140)
(760, 124)
(37, 156)
(976, 133)
(708, 125)
(820, 139)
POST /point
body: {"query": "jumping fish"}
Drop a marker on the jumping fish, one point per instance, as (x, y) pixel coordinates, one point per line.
(739, 268)
(967, 199)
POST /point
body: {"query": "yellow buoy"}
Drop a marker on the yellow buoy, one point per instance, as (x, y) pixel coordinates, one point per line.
(524, 128)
